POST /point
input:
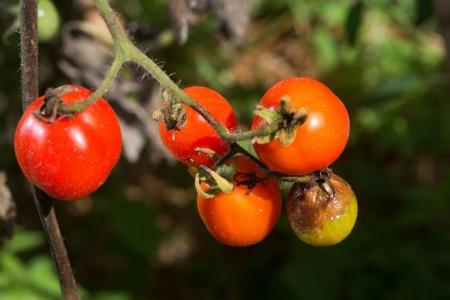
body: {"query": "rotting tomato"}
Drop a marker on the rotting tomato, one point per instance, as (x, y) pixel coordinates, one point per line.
(70, 157)
(196, 133)
(319, 219)
(246, 215)
(319, 141)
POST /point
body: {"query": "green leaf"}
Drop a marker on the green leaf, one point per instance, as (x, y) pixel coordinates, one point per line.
(11, 265)
(110, 295)
(325, 46)
(21, 293)
(24, 241)
(424, 11)
(42, 276)
(354, 20)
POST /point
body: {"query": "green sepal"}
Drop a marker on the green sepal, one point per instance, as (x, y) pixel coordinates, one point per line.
(199, 189)
(223, 184)
(288, 119)
(269, 115)
(287, 135)
(219, 181)
(227, 171)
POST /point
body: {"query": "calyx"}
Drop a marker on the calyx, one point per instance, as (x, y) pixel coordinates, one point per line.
(286, 118)
(53, 106)
(173, 114)
(209, 183)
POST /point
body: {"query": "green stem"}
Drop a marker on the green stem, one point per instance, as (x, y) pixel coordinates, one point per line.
(111, 21)
(145, 62)
(80, 106)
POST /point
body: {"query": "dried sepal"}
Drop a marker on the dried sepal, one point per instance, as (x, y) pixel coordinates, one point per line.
(287, 135)
(53, 107)
(158, 115)
(173, 115)
(287, 118)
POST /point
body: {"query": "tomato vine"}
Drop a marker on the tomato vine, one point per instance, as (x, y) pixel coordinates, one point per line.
(278, 129)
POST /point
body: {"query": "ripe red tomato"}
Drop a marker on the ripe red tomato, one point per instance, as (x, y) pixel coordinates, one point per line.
(197, 132)
(319, 141)
(244, 216)
(70, 158)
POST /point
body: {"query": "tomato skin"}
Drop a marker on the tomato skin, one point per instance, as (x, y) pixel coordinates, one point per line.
(319, 141)
(70, 158)
(242, 217)
(197, 132)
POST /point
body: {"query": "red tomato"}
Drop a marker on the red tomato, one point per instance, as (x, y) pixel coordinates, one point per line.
(197, 132)
(70, 158)
(319, 141)
(244, 216)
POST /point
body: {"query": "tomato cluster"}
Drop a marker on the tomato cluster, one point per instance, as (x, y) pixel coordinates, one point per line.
(245, 213)
(69, 155)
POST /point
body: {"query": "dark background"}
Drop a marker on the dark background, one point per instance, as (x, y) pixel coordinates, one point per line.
(140, 237)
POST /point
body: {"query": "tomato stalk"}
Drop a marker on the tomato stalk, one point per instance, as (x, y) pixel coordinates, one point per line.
(43, 203)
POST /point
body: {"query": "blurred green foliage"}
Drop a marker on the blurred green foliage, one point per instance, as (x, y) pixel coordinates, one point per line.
(139, 237)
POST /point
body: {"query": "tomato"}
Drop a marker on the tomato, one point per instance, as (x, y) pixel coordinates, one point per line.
(319, 141)
(197, 132)
(48, 20)
(71, 157)
(318, 220)
(246, 215)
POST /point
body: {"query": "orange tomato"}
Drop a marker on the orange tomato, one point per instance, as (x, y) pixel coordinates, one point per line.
(319, 141)
(244, 216)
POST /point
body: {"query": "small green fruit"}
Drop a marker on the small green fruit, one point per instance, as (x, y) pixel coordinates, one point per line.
(318, 218)
(48, 20)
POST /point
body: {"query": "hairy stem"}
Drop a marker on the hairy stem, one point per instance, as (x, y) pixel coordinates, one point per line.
(43, 203)
(78, 107)
(145, 62)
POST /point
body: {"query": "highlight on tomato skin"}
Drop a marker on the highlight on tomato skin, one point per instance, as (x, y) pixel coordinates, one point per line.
(244, 216)
(70, 158)
(319, 141)
(196, 132)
